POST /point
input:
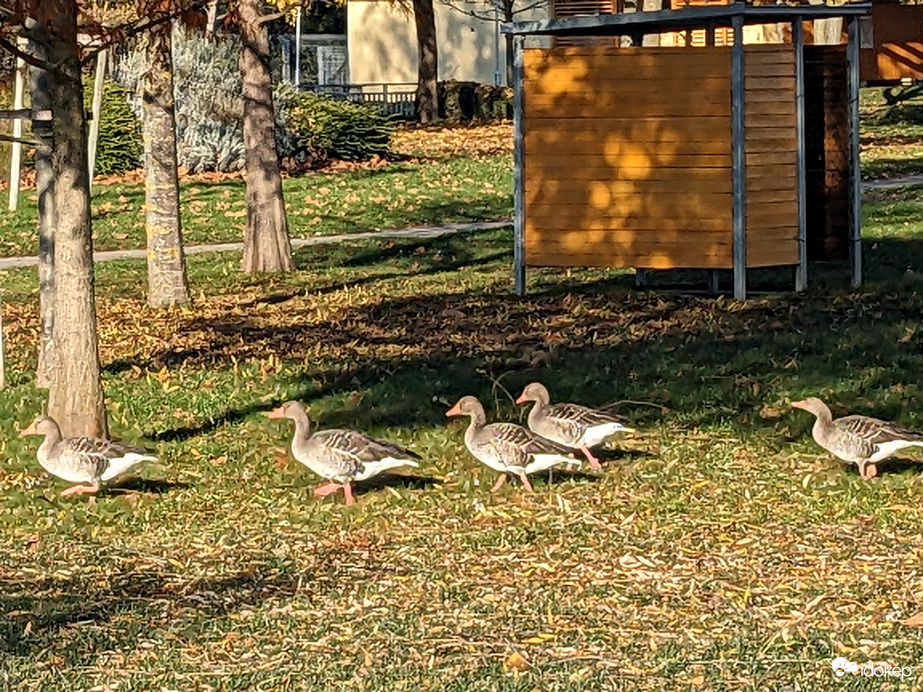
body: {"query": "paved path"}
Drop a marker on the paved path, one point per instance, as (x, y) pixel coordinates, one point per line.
(892, 182)
(421, 232)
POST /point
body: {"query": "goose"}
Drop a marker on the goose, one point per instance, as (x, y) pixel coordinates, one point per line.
(860, 440)
(571, 425)
(82, 460)
(340, 456)
(507, 447)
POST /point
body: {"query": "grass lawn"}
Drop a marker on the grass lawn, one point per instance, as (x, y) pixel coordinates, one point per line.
(720, 549)
(891, 136)
(445, 176)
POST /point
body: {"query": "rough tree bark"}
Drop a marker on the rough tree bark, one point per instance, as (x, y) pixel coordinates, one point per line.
(166, 264)
(40, 88)
(76, 396)
(424, 17)
(267, 247)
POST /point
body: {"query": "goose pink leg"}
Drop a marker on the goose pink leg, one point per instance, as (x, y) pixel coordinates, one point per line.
(325, 490)
(594, 462)
(525, 482)
(500, 481)
(81, 490)
(348, 492)
(868, 470)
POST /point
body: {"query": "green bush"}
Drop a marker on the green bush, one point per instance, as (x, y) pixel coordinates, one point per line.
(461, 102)
(120, 146)
(322, 129)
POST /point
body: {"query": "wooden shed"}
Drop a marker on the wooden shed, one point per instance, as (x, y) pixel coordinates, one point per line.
(666, 157)
(891, 44)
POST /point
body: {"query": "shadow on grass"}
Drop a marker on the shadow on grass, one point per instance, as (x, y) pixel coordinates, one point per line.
(135, 484)
(79, 615)
(41, 609)
(396, 480)
(596, 341)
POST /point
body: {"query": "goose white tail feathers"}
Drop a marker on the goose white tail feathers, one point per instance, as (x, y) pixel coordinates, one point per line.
(597, 434)
(543, 462)
(120, 465)
(373, 468)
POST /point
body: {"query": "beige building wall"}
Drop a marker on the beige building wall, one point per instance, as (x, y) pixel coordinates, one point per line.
(382, 41)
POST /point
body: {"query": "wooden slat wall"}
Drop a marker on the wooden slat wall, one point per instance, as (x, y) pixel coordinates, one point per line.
(628, 157)
(827, 151)
(897, 40)
(772, 155)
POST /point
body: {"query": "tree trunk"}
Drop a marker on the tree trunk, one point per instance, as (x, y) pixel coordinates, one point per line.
(267, 247)
(828, 31)
(40, 88)
(651, 6)
(427, 72)
(76, 396)
(166, 264)
(211, 16)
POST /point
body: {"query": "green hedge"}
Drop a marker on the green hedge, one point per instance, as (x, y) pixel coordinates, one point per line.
(466, 101)
(120, 146)
(323, 129)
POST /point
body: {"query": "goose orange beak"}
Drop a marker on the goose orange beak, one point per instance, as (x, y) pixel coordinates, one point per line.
(276, 413)
(28, 431)
(522, 398)
(454, 411)
(799, 404)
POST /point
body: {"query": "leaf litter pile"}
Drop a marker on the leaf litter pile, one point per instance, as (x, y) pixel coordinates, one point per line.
(720, 549)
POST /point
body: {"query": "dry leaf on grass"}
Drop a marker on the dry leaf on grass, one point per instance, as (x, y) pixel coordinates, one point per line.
(516, 662)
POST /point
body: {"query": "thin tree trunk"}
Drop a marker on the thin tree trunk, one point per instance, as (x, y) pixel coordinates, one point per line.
(40, 88)
(427, 72)
(76, 395)
(166, 264)
(267, 247)
(211, 17)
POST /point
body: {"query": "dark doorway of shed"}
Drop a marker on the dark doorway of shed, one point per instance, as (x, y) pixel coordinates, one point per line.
(826, 111)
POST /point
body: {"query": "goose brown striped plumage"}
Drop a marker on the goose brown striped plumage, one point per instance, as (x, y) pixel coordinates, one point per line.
(860, 440)
(340, 456)
(507, 447)
(89, 460)
(572, 425)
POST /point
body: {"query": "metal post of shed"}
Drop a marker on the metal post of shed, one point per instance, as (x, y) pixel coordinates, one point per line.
(801, 271)
(739, 160)
(855, 214)
(519, 211)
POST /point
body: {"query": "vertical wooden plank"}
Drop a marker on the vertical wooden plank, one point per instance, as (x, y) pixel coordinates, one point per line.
(16, 154)
(855, 215)
(519, 195)
(97, 107)
(801, 272)
(739, 160)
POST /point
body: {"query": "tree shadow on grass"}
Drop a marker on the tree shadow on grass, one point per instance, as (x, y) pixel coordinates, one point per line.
(409, 481)
(136, 484)
(695, 359)
(77, 615)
